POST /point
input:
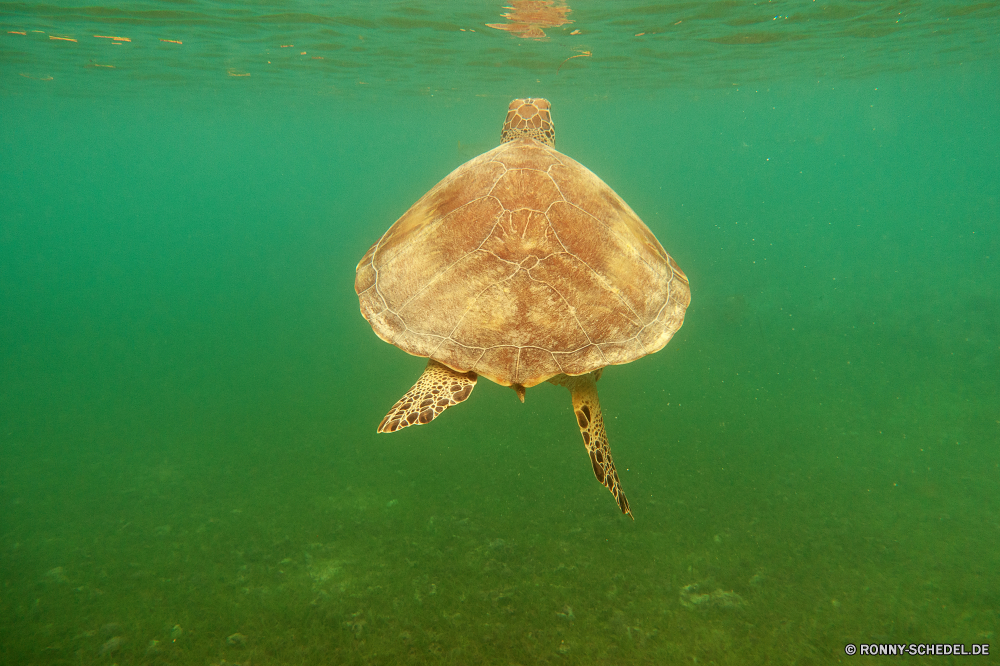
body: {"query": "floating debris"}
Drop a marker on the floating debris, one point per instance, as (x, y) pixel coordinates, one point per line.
(580, 54)
(237, 639)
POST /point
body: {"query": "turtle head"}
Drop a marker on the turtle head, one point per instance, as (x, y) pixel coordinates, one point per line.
(529, 118)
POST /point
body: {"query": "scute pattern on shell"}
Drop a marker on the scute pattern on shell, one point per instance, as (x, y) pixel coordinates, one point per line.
(519, 266)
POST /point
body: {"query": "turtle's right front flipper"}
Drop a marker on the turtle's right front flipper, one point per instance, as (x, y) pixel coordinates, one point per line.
(438, 388)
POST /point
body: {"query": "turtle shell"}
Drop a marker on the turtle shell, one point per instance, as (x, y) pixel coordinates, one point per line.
(522, 265)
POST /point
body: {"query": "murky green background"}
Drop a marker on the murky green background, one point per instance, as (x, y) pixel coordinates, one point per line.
(189, 469)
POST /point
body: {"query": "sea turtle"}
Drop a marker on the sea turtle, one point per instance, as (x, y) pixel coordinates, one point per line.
(521, 266)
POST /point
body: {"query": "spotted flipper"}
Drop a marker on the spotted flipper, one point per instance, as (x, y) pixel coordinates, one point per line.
(438, 388)
(587, 408)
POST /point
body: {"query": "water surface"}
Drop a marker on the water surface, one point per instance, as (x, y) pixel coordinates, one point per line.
(189, 395)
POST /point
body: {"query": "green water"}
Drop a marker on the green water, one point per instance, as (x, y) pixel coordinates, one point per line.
(189, 395)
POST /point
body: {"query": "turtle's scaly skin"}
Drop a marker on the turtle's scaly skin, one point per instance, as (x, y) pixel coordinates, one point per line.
(587, 409)
(529, 118)
(437, 389)
(521, 266)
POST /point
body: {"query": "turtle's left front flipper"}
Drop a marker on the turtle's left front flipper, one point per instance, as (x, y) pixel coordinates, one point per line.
(587, 408)
(438, 388)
